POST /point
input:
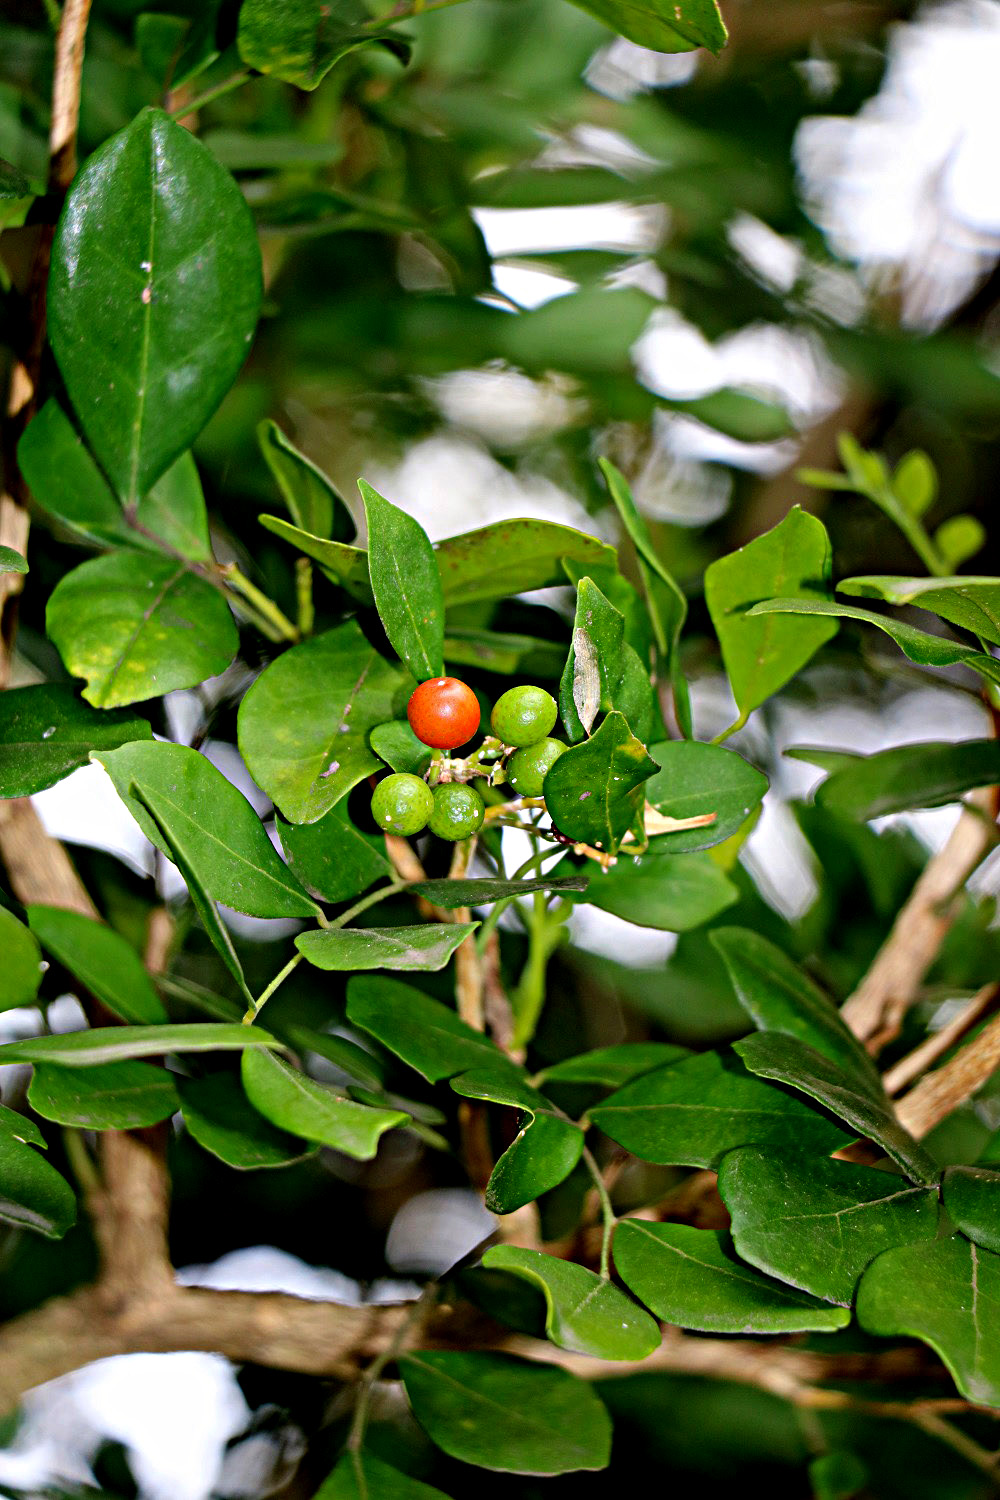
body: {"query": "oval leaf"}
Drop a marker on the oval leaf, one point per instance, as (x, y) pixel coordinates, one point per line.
(21, 970)
(218, 1116)
(32, 1193)
(426, 946)
(332, 856)
(46, 732)
(585, 1313)
(101, 959)
(972, 1201)
(695, 779)
(423, 1032)
(406, 585)
(111, 1096)
(106, 1044)
(303, 1107)
(594, 790)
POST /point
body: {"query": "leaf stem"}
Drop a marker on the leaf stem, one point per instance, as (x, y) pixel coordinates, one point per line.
(261, 603)
(265, 996)
(382, 894)
(234, 81)
(369, 1379)
(499, 907)
(304, 595)
(607, 1212)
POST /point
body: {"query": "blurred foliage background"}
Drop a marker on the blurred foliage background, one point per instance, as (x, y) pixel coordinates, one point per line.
(533, 245)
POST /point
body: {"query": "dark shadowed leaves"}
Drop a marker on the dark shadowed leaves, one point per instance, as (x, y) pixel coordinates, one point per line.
(546, 1149)
(32, 1193)
(218, 1116)
(972, 1202)
(111, 1096)
(332, 856)
(920, 775)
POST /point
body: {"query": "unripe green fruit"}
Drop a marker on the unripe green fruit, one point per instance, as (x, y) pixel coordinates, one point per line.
(402, 804)
(523, 715)
(526, 768)
(458, 811)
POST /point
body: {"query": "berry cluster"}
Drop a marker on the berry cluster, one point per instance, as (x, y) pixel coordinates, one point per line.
(444, 714)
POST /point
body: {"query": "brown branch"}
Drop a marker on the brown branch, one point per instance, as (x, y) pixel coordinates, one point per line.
(940, 1092)
(876, 1009)
(910, 1067)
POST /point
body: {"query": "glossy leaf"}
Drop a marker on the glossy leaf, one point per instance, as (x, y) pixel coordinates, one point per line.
(427, 1035)
(584, 1313)
(398, 746)
(594, 664)
(661, 890)
(101, 959)
(947, 1294)
(919, 775)
(483, 892)
(406, 585)
(218, 1116)
(779, 997)
(691, 1113)
(174, 509)
(32, 1193)
(19, 1127)
(507, 1414)
(692, 1278)
(304, 723)
(135, 626)
(501, 651)
(12, 561)
(612, 1067)
(21, 970)
(211, 821)
(46, 732)
(344, 565)
(427, 946)
(667, 604)
(313, 503)
(153, 296)
(924, 649)
(359, 1476)
(817, 1223)
(594, 790)
(970, 602)
(300, 40)
(792, 1062)
(545, 1150)
(695, 779)
(792, 560)
(972, 1201)
(300, 1105)
(661, 24)
(513, 557)
(111, 1096)
(332, 856)
(109, 1044)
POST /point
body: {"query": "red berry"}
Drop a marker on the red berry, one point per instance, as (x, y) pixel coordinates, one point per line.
(443, 713)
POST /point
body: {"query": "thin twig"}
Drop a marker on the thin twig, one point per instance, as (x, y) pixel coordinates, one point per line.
(941, 1092)
(910, 1067)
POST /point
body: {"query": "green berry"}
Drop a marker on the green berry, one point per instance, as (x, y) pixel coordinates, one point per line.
(523, 715)
(526, 768)
(402, 804)
(458, 811)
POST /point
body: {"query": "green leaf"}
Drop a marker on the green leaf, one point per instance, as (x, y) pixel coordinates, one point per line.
(502, 651)
(691, 1113)
(661, 890)
(455, 893)
(428, 946)
(153, 296)
(313, 503)
(218, 1116)
(103, 961)
(690, 1277)
(303, 725)
(594, 790)
(779, 997)
(514, 557)
(11, 561)
(611, 1067)
(584, 1313)
(136, 626)
(817, 1223)
(358, 1476)
(21, 971)
(947, 1294)
(545, 1150)
(406, 585)
(423, 1032)
(760, 656)
(344, 565)
(972, 603)
(211, 822)
(398, 746)
(972, 1201)
(20, 1128)
(507, 1414)
(175, 510)
(838, 1475)
(112, 1096)
(926, 650)
(915, 482)
(958, 539)
(306, 1108)
(695, 779)
(661, 24)
(32, 1194)
(667, 604)
(594, 664)
(930, 774)
(792, 1062)
(107, 1044)
(738, 414)
(300, 40)
(13, 183)
(332, 856)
